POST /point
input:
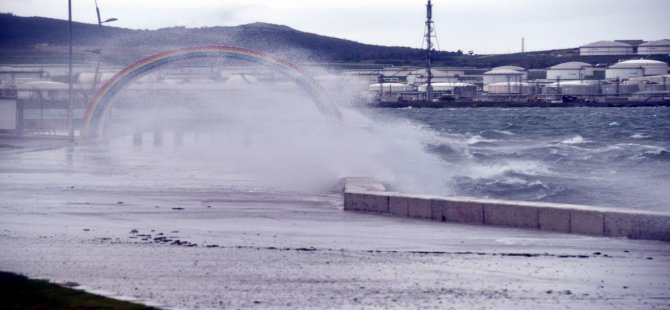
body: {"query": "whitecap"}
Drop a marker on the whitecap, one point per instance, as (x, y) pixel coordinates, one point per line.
(505, 132)
(640, 136)
(614, 124)
(574, 140)
(477, 138)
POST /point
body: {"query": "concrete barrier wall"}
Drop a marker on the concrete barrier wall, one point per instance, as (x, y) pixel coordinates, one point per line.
(369, 195)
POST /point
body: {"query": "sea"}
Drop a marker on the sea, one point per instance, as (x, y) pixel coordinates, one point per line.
(615, 157)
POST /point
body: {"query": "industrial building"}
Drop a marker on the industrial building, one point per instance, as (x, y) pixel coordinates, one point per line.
(573, 70)
(606, 48)
(654, 47)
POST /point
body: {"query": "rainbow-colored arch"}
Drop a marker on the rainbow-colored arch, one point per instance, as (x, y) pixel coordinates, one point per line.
(100, 102)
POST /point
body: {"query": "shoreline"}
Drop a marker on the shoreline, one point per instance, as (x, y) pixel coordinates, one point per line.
(509, 104)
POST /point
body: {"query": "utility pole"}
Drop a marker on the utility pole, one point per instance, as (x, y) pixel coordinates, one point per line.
(523, 45)
(428, 35)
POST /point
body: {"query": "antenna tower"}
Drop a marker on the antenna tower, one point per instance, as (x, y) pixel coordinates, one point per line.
(428, 35)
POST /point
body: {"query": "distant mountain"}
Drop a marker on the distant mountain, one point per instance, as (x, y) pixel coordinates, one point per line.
(21, 32)
(43, 40)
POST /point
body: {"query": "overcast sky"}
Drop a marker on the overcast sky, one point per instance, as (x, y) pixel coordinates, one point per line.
(485, 26)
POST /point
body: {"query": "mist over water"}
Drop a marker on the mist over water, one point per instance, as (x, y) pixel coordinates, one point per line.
(270, 133)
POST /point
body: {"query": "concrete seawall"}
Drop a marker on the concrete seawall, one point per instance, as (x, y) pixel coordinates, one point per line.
(369, 195)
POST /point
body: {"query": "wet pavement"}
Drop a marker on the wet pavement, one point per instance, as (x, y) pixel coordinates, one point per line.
(130, 224)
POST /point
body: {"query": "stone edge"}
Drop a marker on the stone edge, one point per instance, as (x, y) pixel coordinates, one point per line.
(367, 194)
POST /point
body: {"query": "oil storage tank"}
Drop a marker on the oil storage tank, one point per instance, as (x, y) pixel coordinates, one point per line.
(502, 75)
(654, 47)
(573, 70)
(606, 48)
(635, 67)
(524, 72)
(521, 88)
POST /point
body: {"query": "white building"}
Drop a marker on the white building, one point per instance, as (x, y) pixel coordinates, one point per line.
(606, 48)
(635, 67)
(573, 70)
(503, 75)
(654, 47)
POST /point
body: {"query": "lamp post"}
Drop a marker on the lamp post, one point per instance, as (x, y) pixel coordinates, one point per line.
(96, 76)
(100, 21)
(70, 112)
(70, 109)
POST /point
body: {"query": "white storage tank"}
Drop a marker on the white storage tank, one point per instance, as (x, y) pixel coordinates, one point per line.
(634, 68)
(502, 75)
(606, 48)
(573, 70)
(509, 88)
(515, 68)
(572, 88)
(654, 47)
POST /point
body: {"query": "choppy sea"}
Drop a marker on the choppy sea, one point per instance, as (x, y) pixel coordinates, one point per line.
(617, 157)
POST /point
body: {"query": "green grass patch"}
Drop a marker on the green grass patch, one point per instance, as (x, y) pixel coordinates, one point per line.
(20, 292)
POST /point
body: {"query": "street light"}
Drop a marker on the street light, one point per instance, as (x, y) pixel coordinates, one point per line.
(96, 76)
(70, 114)
(97, 11)
(98, 50)
(70, 109)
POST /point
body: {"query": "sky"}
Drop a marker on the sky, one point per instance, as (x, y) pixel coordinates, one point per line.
(483, 26)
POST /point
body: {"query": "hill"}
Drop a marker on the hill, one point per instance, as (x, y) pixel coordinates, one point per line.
(44, 40)
(34, 32)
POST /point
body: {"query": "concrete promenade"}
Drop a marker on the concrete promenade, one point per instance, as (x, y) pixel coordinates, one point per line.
(369, 195)
(128, 223)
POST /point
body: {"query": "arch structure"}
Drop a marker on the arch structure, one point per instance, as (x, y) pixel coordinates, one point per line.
(100, 103)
